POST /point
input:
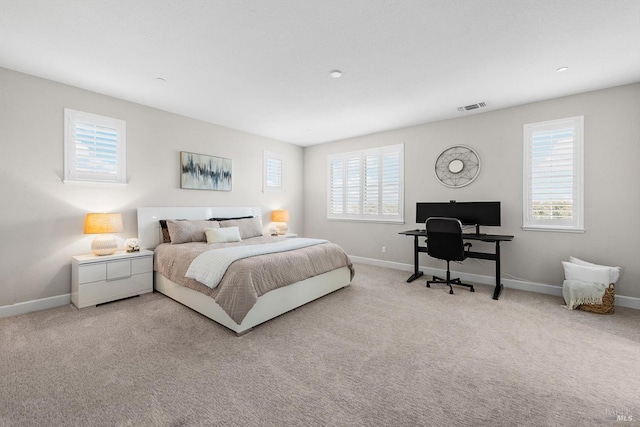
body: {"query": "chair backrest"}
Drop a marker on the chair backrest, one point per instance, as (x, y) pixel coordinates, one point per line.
(444, 238)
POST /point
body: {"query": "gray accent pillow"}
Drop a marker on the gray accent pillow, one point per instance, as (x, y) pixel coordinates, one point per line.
(249, 227)
(189, 231)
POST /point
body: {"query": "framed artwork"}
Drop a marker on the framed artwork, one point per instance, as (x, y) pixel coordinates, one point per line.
(202, 172)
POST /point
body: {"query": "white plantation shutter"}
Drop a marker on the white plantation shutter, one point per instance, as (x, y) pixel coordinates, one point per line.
(553, 183)
(273, 172)
(336, 187)
(94, 148)
(353, 198)
(367, 185)
(391, 188)
(372, 184)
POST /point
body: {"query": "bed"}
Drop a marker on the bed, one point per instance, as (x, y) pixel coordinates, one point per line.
(198, 297)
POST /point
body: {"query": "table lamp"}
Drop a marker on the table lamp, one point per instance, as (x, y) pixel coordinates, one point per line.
(103, 224)
(281, 217)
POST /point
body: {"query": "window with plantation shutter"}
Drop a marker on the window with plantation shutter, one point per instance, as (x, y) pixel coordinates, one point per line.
(367, 185)
(553, 181)
(94, 148)
(272, 173)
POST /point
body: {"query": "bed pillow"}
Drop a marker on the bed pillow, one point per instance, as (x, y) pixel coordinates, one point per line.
(189, 231)
(614, 272)
(166, 238)
(249, 227)
(585, 273)
(223, 235)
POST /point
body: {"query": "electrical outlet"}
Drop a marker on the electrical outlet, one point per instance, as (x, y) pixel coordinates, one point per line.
(384, 249)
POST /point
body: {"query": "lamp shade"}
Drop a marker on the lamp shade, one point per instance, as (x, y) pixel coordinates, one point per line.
(280, 215)
(100, 223)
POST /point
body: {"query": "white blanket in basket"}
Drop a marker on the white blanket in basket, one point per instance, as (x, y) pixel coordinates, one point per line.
(576, 292)
(209, 267)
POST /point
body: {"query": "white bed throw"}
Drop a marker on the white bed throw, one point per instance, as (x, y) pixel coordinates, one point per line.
(209, 267)
(576, 293)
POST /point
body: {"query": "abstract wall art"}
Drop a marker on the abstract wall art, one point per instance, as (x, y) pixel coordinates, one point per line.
(202, 172)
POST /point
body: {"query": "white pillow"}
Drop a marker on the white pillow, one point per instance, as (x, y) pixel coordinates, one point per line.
(586, 273)
(614, 271)
(223, 235)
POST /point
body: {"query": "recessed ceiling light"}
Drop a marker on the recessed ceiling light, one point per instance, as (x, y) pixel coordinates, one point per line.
(561, 69)
(335, 74)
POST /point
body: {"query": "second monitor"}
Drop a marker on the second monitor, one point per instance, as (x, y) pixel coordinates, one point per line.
(469, 213)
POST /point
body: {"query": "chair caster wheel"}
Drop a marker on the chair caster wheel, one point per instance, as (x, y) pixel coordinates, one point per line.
(428, 285)
(473, 290)
(451, 292)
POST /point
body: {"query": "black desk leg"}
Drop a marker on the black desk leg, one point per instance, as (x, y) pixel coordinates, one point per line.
(416, 262)
(498, 290)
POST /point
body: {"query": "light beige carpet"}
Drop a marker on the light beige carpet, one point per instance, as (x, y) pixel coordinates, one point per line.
(379, 353)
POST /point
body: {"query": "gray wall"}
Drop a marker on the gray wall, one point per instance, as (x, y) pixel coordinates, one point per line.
(612, 188)
(41, 218)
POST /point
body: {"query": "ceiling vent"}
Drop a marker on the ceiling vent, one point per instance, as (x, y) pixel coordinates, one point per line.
(472, 107)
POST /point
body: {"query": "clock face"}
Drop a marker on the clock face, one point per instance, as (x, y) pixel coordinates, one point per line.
(457, 166)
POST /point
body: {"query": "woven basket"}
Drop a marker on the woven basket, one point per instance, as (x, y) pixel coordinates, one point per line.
(607, 306)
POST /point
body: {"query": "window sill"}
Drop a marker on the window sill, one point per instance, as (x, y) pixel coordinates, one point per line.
(555, 229)
(102, 184)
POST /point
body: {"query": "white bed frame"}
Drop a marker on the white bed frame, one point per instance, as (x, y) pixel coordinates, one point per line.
(268, 306)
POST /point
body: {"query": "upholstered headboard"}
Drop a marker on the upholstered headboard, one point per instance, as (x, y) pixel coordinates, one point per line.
(150, 234)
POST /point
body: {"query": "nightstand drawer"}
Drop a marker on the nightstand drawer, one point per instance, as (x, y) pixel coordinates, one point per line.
(142, 265)
(118, 269)
(100, 292)
(92, 273)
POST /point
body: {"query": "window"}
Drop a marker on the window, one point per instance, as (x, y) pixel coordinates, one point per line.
(367, 185)
(553, 181)
(94, 148)
(272, 179)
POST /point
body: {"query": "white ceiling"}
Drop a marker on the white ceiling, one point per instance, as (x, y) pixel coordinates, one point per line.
(262, 66)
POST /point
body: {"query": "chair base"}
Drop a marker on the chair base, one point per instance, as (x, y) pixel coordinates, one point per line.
(438, 280)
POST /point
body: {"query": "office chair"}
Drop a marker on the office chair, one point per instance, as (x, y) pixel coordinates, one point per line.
(444, 241)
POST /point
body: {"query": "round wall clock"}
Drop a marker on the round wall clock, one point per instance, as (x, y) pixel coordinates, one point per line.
(457, 166)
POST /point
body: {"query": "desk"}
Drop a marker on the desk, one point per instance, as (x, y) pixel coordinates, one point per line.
(491, 238)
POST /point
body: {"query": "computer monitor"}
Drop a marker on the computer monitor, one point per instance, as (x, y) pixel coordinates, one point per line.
(469, 213)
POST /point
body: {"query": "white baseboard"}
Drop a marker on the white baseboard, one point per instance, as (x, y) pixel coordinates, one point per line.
(34, 305)
(541, 288)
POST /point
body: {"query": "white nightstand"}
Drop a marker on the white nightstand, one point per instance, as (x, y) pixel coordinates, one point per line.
(99, 279)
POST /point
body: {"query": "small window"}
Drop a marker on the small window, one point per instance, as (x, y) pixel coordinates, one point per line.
(273, 173)
(367, 185)
(94, 148)
(553, 181)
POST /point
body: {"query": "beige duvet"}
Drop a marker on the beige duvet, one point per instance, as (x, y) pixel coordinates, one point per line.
(247, 279)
